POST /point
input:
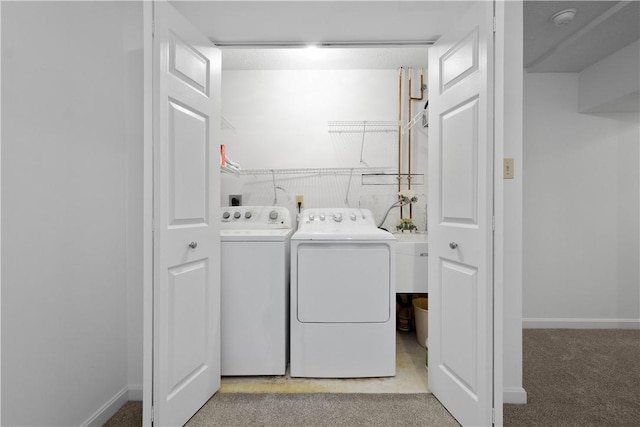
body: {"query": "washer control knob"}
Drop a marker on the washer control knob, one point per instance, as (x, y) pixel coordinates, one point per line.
(247, 214)
(353, 217)
(311, 217)
(226, 215)
(321, 217)
(273, 215)
(337, 217)
(236, 215)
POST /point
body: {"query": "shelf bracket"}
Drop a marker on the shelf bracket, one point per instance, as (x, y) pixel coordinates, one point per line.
(275, 191)
(346, 197)
(364, 132)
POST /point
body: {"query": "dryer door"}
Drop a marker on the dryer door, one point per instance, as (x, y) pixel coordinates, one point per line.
(343, 282)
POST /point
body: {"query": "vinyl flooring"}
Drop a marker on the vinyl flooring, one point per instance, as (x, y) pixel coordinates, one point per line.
(411, 377)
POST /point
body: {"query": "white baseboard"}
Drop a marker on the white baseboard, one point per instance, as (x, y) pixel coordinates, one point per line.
(107, 410)
(102, 415)
(516, 395)
(541, 323)
(135, 392)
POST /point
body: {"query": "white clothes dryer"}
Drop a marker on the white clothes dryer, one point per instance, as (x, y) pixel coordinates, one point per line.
(343, 280)
(254, 290)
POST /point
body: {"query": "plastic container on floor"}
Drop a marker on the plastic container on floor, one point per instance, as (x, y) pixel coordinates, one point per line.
(420, 311)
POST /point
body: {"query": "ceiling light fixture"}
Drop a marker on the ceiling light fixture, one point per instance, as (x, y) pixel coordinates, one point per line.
(313, 51)
(563, 17)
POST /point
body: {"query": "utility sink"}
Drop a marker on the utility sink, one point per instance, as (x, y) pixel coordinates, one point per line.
(412, 262)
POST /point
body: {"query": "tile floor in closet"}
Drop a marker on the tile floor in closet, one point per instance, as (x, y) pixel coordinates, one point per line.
(411, 377)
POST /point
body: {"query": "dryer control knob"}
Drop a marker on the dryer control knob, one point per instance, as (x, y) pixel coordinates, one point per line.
(236, 215)
(226, 215)
(353, 217)
(273, 215)
(321, 217)
(247, 214)
(311, 217)
(337, 217)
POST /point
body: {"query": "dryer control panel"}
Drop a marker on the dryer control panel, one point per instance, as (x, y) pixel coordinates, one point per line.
(254, 217)
(337, 221)
(338, 215)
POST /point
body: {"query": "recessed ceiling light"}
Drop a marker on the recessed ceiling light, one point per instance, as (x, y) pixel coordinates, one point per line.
(313, 51)
(563, 17)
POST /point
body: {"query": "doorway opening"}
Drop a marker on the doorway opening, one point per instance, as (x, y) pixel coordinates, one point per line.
(325, 125)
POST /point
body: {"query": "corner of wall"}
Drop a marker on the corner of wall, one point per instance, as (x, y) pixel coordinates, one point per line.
(107, 410)
(513, 203)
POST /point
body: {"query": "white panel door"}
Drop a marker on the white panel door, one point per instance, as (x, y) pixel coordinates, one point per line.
(186, 329)
(460, 217)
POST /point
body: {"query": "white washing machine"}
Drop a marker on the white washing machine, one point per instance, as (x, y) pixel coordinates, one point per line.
(343, 284)
(255, 289)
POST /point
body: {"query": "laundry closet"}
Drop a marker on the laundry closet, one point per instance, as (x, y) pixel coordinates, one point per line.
(334, 129)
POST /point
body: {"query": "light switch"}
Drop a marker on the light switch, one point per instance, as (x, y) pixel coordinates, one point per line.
(508, 169)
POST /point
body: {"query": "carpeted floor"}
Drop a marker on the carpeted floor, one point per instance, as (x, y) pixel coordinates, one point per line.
(572, 377)
(322, 409)
(578, 377)
(130, 415)
(307, 409)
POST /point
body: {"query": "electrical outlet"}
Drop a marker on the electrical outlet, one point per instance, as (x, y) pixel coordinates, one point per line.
(508, 169)
(300, 201)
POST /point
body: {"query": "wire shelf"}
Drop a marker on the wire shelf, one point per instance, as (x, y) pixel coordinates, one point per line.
(228, 169)
(392, 179)
(314, 171)
(364, 126)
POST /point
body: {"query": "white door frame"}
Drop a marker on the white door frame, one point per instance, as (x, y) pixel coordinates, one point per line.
(147, 225)
(0, 215)
(508, 137)
(508, 195)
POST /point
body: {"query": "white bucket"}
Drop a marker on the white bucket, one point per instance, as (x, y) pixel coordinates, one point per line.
(420, 311)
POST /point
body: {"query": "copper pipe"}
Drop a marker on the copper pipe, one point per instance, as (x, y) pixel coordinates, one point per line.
(409, 134)
(409, 148)
(400, 133)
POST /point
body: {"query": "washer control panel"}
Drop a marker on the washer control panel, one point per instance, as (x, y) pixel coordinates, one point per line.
(254, 217)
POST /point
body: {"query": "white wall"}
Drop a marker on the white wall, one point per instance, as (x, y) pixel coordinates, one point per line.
(581, 210)
(611, 84)
(66, 193)
(133, 116)
(281, 121)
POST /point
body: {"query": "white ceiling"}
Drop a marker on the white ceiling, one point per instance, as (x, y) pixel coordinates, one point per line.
(316, 22)
(320, 21)
(546, 48)
(324, 59)
(599, 29)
